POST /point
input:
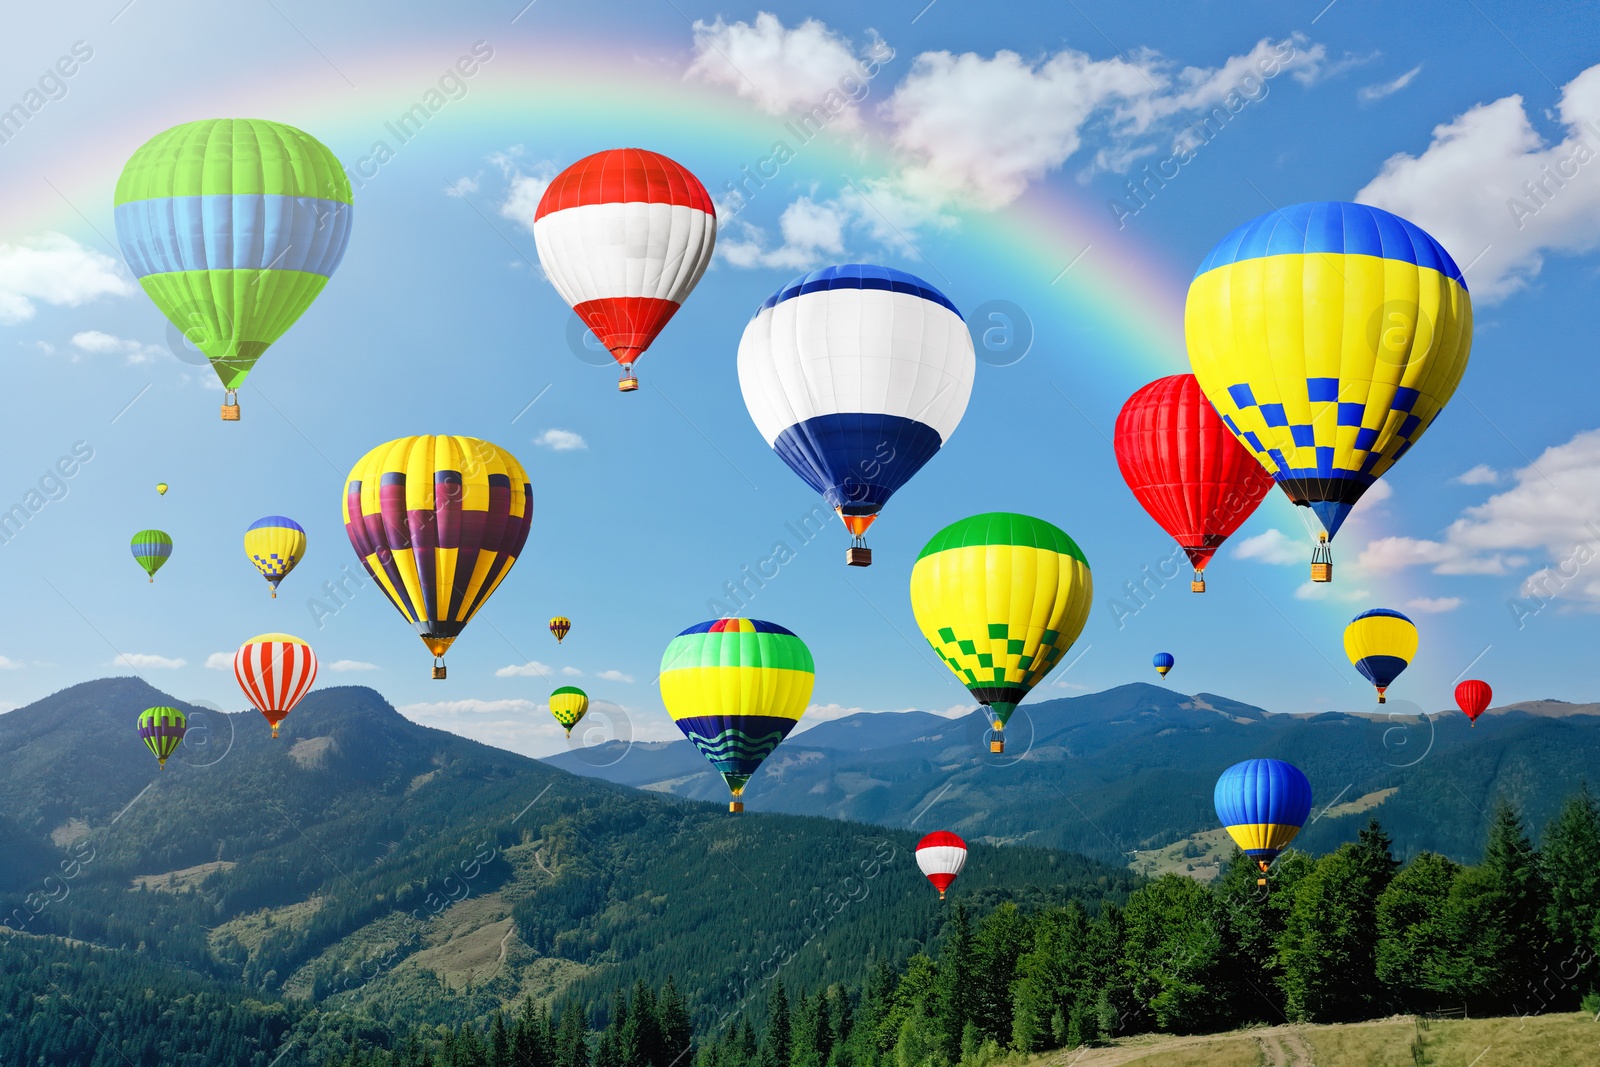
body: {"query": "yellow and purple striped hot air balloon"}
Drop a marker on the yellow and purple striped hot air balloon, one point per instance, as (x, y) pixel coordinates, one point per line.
(233, 227)
(162, 729)
(736, 687)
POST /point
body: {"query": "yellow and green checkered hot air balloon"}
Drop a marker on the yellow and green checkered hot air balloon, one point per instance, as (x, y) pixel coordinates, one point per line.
(233, 227)
(275, 544)
(736, 687)
(1328, 336)
(162, 730)
(1001, 597)
(569, 704)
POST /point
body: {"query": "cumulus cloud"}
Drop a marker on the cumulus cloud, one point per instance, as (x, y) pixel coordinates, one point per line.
(220, 661)
(97, 343)
(1436, 605)
(526, 727)
(342, 665)
(1553, 511)
(811, 232)
(525, 185)
(531, 669)
(9, 664)
(1482, 474)
(1371, 94)
(1327, 591)
(54, 269)
(615, 676)
(572, 672)
(561, 441)
(786, 71)
(141, 661)
(1273, 546)
(464, 186)
(1497, 194)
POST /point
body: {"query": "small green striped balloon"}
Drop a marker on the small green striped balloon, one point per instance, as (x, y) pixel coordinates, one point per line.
(151, 549)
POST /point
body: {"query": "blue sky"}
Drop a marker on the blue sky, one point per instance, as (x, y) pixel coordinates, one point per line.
(984, 155)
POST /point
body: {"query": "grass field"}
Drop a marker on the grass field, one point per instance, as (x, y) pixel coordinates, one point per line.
(1403, 1041)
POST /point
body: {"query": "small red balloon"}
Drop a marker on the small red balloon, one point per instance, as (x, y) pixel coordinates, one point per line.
(1473, 696)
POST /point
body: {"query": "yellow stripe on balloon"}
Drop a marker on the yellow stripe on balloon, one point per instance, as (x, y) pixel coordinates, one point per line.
(777, 692)
(1273, 836)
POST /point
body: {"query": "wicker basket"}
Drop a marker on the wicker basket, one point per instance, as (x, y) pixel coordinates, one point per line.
(997, 745)
(858, 557)
(735, 806)
(230, 413)
(1197, 586)
(438, 672)
(1322, 572)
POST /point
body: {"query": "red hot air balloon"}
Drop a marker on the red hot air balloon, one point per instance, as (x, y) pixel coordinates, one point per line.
(624, 235)
(1186, 468)
(1473, 697)
(941, 856)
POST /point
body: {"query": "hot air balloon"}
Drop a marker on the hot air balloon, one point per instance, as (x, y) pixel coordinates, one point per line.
(568, 704)
(233, 227)
(1263, 803)
(856, 375)
(438, 522)
(161, 488)
(560, 626)
(1329, 336)
(162, 729)
(1001, 598)
(275, 544)
(624, 235)
(151, 549)
(1380, 643)
(1163, 662)
(1186, 468)
(941, 856)
(275, 671)
(736, 687)
(1473, 697)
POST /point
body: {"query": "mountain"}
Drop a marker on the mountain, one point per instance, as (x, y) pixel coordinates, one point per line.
(372, 865)
(1111, 774)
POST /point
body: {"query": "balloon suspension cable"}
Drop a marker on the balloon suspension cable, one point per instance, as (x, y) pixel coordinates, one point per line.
(1322, 560)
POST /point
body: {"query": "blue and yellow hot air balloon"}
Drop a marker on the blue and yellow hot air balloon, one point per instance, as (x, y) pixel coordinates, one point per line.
(233, 227)
(1381, 643)
(275, 544)
(1162, 662)
(1262, 804)
(569, 704)
(1328, 336)
(736, 687)
(151, 550)
(1001, 597)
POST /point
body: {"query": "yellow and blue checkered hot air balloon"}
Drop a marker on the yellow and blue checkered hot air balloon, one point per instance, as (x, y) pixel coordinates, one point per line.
(1328, 336)
(736, 687)
(1380, 643)
(1001, 597)
(275, 544)
(1262, 804)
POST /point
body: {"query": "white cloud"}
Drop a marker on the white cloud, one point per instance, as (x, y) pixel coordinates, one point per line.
(1328, 591)
(9, 664)
(531, 669)
(464, 186)
(54, 269)
(97, 343)
(138, 660)
(343, 665)
(1482, 474)
(785, 71)
(1553, 509)
(1496, 194)
(811, 231)
(561, 441)
(1371, 94)
(525, 185)
(1434, 605)
(572, 672)
(615, 676)
(1273, 546)
(220, 661)
(527, 727)
(817, 714)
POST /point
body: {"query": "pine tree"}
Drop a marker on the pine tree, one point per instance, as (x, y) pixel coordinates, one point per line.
(572, 1037)
(677, 1032)
(1002, 937)
(1497, 918)
(499, 1043)
(639, 1035)
(776, 1046)
(1571, 862)
(949, 1012)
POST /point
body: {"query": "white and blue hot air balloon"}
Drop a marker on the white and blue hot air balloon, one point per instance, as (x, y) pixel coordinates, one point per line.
(856, 375)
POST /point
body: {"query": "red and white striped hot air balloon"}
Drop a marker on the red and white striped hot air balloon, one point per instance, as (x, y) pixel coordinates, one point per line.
(275, 671)
(941, 856)
(624, 235)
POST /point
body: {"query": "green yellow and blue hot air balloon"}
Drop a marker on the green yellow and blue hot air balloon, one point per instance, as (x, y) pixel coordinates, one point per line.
(569, 704)
(233, 227)
(162, 730)
(1380, 643)
(1262, 803)
(151, 550)
(1328, 336)
(275, 544)
(736, 687)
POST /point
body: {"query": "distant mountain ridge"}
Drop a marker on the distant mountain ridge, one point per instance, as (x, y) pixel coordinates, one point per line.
(1130, 769)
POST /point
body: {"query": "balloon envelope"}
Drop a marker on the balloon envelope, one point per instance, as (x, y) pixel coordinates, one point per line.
(1185, 467)
(1473, 697)
(161, 488)
(233, 227)
(941, 856)
(151, 550)
(569, 704)
(736, 687)
(275, 671)
(1328, 336)
(1263, 803)
(1163, 662)
(275, 544)
(1380, 644)
(560, 626)
(162, 729)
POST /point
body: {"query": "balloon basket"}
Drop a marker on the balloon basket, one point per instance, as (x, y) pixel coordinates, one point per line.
(629, 384)
(1261, 881)
(438, 672)
(735, 806)
(858, 557)
(1197, 586)
(997, 745)
(230, 413)
(1322, 561)
(1322, 572)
